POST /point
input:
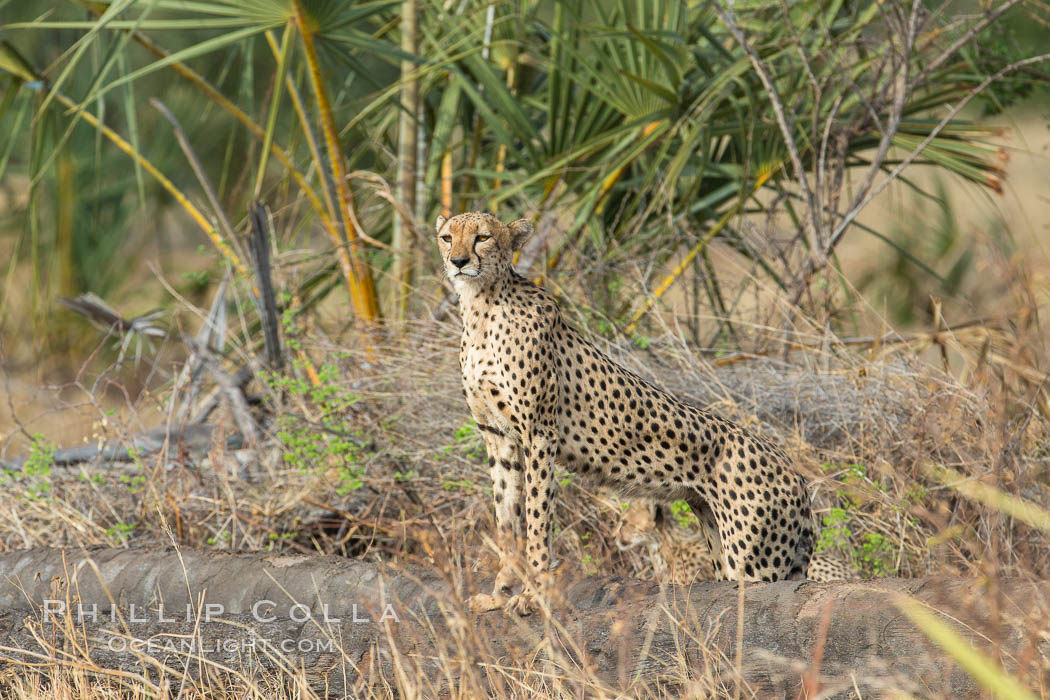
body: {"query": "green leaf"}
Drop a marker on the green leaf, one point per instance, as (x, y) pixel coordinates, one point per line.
(275, 102)
(200, 49)
(12, 62)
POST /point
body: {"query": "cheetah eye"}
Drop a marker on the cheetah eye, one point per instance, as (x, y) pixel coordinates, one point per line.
(447, 239)
(482, 239)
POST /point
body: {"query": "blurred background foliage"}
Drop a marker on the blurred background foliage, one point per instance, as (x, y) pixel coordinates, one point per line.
(637, 134)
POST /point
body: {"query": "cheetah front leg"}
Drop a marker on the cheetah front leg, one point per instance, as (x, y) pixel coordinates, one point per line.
(505, 468)
(539, 503)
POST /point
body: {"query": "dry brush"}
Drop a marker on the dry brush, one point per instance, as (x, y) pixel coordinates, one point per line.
(356, 622)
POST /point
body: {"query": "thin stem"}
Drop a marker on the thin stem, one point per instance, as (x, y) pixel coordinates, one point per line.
(358, 276)
(813, 232)
(198, 170)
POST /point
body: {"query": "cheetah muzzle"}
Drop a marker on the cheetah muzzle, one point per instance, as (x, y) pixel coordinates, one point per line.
(542, 395)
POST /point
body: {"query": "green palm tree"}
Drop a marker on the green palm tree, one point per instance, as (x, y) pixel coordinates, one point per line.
(648, 124)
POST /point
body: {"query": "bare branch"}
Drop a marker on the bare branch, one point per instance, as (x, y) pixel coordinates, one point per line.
(952, 113)
(814, 233)
(232, 392)
(901, 91)
(962, 41)
(202, 177)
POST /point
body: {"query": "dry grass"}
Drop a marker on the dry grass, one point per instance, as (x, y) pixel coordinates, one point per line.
(379, 460)
(391, 468)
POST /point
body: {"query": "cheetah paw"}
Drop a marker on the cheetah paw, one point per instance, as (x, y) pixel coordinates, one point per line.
(523, 604)
(483, 602)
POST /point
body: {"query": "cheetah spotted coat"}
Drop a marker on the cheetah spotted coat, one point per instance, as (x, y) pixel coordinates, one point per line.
(543, 395)
(678, 553)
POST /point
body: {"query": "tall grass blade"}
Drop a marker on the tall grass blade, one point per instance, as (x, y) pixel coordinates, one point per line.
(275, 103)
(988, 674)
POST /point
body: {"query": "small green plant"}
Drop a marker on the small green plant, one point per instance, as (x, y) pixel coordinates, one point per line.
(876, 555)
(134, 483)
(277, 538)
(917, 493)
(464, 484)
(120, 532)
(289, 325)
(337, 443)
(465, 431)
(198, 280)
(835, 534)
(36, 472)
(850, 472)
(683, 514)
(223, 536)
(349, 479)
(468, 438)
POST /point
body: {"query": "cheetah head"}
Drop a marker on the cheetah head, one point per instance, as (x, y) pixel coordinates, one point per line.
(639, 524)
(477, 247)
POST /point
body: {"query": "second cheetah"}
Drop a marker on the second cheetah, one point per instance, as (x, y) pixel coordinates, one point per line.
(677, 551)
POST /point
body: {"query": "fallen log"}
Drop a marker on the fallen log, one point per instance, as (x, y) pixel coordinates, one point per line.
(351, 625)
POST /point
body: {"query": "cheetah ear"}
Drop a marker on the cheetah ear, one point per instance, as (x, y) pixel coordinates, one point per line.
(519, 231)
(440, 222)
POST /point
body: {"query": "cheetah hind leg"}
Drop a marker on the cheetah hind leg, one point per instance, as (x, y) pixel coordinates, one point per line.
(803, 554)
(709, 526)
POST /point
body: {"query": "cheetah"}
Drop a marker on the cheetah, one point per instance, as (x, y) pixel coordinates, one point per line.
(543, 395)
(678, 553)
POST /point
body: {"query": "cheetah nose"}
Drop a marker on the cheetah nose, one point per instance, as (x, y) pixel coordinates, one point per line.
(459, 262)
